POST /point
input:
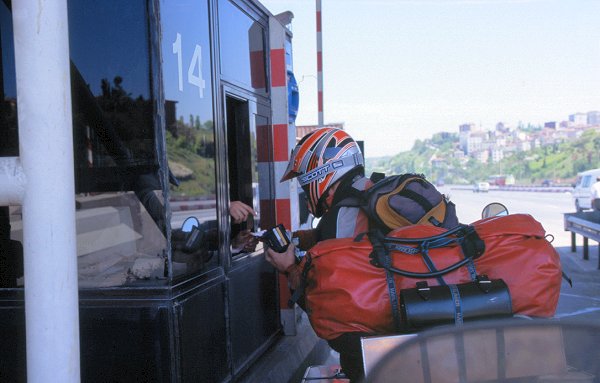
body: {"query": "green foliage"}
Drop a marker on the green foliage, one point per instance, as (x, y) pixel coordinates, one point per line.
(436, 159)
(193, 147)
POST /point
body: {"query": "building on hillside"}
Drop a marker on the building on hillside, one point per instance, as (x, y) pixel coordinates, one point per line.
(474, 143)
(578, 119)
(593, 118)
(482, 156)
(497, 154)
(502, 127)
(464, 131)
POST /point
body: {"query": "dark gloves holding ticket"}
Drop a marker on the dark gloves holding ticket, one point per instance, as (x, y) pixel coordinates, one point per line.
(276, 238)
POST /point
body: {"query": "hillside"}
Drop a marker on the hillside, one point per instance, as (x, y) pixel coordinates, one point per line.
(435, 157)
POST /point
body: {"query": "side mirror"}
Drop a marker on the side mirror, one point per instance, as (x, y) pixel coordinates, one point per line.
(494, 209)
(189, 224)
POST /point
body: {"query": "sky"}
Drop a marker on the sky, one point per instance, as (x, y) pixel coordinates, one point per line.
(399, 70)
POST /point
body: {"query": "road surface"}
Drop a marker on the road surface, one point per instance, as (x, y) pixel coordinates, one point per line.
(582, 300)
(546, 207)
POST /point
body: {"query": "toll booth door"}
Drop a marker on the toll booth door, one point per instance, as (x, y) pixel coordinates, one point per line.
(253, 284)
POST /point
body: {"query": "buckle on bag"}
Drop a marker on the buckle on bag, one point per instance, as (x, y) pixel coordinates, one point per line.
(424, 290)
(484, 283)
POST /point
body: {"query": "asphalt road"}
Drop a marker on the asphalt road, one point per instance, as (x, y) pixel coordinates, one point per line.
(546, 207)
(580, 302)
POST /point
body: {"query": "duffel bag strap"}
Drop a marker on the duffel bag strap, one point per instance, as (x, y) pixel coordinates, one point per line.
(472, 247)
(299, 292)
(459, 231)
(381, 254)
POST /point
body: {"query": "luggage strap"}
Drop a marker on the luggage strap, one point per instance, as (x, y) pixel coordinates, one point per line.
(299, 292)
(383, 255)
(465, 235)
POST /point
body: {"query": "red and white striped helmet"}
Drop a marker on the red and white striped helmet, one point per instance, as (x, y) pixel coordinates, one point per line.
(319, 160)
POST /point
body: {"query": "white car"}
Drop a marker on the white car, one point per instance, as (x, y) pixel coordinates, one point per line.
(481, 187)
(582, 193)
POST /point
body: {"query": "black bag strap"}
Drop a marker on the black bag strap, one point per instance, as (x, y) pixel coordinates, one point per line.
(431, 266)
(299, 292)
(376, 177)
(376, 238)
(472, 247)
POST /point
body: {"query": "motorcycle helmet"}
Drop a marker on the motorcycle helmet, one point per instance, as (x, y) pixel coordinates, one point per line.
(319, 160)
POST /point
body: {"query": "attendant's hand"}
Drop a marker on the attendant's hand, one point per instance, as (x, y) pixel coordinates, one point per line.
(244, 241)
(239, 211)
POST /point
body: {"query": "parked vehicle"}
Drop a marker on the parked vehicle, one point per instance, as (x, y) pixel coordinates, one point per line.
(582, 193)
(481, 187)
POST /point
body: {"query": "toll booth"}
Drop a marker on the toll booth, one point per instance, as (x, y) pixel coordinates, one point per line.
(178, 107)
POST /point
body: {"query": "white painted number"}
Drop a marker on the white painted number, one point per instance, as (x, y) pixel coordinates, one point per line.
(192, 78)
(177, 51)
(194, 69)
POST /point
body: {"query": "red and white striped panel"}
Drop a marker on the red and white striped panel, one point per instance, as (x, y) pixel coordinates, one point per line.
(282, 133)
(283, 137)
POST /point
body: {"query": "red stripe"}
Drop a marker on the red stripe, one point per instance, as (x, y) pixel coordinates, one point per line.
(318, 21)
(280, 142)
(320, 101)
(319, 61)
(278, 73)
(283, 212)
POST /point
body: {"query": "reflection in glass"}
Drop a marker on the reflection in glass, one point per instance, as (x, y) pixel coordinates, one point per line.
(190, 128)
(120, 215)
(242, 48)
(9, 145)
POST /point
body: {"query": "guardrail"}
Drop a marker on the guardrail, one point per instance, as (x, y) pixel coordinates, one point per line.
(586, 224)
(521, 188)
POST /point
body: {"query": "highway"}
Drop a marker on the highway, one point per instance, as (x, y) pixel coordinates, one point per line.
(580, 302)
(546, 207)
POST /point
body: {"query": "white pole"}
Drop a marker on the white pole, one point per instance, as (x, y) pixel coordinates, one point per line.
(320, 63)
(46, 152)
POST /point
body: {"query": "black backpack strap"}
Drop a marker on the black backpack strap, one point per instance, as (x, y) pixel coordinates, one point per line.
(418, 198)
(376, 177)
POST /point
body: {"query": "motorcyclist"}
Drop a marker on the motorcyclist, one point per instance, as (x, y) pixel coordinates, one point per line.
(327, 164)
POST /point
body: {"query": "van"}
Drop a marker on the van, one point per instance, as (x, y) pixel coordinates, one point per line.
(582, 193)
(481, 187)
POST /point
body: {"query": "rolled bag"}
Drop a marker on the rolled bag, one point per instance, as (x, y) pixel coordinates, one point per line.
(344, 292)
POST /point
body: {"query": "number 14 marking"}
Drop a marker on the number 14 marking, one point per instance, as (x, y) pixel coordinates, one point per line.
(196, 62)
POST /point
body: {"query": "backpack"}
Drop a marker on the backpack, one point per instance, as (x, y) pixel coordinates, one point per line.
(402, 200)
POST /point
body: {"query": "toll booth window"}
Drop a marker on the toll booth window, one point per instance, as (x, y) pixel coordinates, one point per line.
(120, 211)
(190, 135)
(11, 248)
(241, 121)
(9, 145)
(242, 47)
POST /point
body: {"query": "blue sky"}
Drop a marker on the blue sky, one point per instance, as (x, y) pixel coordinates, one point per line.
(400, 70)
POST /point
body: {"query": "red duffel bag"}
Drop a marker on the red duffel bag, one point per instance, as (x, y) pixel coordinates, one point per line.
(347, 287)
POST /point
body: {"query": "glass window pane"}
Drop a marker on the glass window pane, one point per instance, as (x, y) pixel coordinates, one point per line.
(9, 145)
(120, 214)
(239, 33)
(190, 128)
